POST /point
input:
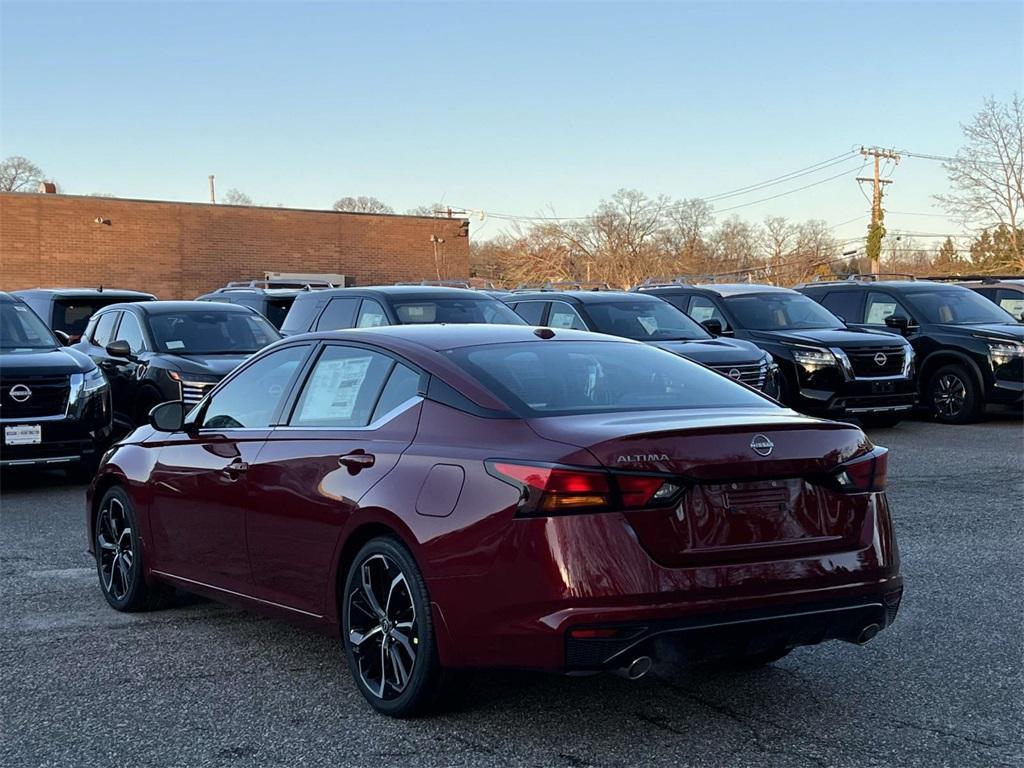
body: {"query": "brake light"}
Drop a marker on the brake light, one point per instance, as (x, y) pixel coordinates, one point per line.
(865, 474)
(554, 489)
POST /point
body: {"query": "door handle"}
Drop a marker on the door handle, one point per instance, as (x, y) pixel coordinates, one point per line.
(357, 461)
(234, 469)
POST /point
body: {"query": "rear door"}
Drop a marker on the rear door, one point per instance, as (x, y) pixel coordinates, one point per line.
(355, 414)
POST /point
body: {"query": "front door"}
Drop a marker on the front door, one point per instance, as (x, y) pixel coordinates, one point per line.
(203, 539)
(355, 415)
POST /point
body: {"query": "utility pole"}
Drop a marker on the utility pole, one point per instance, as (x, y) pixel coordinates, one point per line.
(876, 230)
(213, 194)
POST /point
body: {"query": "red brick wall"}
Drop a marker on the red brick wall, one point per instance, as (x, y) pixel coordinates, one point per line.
(182, 250)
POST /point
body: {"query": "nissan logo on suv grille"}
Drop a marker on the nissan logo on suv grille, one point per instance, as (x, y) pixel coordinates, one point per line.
(881, 358)
(19, 393)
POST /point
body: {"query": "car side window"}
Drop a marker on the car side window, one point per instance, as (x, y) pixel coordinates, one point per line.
(371, 315)
(131, 331)
(338, 314)
(880, 306)
(103, 332)
(403, 384)
(343, 388)
(680, 302)
(531, 311)
(251, 398)
(1012, 302)
(702, 308)
(845, 304)
(562, 315)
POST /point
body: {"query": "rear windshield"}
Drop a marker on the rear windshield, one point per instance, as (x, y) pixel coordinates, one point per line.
(644, 321)
(277, 310)
(212, 332)
(561, 378)
(21, 328)
(72, 315)
(455, 311)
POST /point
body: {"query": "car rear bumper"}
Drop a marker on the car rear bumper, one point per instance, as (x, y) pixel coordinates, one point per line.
(555, 575)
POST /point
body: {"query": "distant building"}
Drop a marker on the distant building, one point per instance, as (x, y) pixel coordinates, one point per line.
(182, 250)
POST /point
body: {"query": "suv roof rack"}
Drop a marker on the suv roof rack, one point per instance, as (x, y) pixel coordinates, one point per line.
(985, 279)
(856, 278)
(439, 283)
(307, 285)
(665, 282)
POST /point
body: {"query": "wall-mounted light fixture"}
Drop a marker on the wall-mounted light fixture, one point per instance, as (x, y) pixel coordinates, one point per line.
(101, 220)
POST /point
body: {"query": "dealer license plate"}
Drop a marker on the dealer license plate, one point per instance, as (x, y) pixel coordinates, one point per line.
(23, 434)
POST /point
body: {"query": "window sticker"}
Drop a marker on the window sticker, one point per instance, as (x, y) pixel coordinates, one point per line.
(649, 323)
(333, 389)
(175, 344)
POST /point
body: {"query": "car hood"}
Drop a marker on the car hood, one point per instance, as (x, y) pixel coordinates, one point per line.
(54, 361)
(205, 365)
(1013, 331)
(828, 337)
(713, 351)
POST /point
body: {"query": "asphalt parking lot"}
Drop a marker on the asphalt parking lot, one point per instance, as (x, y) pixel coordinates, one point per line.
(200, 684)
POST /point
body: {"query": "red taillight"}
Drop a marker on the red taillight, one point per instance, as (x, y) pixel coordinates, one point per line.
(553, 489)
(865, 474)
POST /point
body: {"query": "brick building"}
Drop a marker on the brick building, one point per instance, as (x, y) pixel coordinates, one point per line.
(182, 250)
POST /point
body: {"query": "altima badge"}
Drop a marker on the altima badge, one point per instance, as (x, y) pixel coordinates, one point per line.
(762, 445)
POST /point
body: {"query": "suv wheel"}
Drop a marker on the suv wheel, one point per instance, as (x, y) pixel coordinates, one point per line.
(953, 395)
(388, 630)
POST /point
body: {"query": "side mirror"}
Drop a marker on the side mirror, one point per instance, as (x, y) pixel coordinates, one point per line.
(168, 417)
(713, 326)
(119, 348)
(898, 323)
(63, 338)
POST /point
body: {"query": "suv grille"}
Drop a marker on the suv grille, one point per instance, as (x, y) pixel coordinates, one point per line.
(194, 391)
(865, 360)
(49, 396)
(751, 374)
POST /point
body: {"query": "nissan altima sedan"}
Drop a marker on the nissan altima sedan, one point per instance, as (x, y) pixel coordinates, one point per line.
(446, 497)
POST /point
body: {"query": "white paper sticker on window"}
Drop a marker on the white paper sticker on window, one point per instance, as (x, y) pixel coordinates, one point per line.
(333, 389)
(175, 344)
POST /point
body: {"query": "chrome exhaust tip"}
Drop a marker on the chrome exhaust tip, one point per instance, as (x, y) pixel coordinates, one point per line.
(636, 669)
(867, 633)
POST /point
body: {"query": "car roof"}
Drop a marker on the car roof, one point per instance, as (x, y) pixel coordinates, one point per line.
(722, 289)
(85, 292)
(167, 307)
(443, 336)
(901, 285)
(283, 293)
(410, 292)
(584, 297)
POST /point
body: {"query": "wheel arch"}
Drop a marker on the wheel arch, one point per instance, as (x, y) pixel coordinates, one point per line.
(942, 357)
(104, 483)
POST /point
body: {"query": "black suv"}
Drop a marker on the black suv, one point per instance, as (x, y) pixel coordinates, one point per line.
(827, 369)
(1007, 292)
(157, 351)
(340, 308)
(270, 298)
(646, 318)
(969, 351)
(68, 310)
(54, 402)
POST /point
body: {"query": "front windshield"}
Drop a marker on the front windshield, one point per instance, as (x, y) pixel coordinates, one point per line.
(211, 332)
(957, 306)
(489, 311)
(779, 312)
(21, 328)
(644, 321)
(561, 378)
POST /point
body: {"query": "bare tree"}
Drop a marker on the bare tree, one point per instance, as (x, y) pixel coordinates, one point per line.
(236, 197)
(362, 204)
(686, 234)
(987, 173)
(434, 209)
(19, 174)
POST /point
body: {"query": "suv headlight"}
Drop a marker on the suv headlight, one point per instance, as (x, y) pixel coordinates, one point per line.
(813, 358)
(93, 380)
(1002, 352)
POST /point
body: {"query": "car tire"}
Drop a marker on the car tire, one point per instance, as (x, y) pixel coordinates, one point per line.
(119, 564)
(953, 395)
(388, 631)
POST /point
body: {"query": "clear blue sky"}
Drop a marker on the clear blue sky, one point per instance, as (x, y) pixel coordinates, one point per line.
(510, 108)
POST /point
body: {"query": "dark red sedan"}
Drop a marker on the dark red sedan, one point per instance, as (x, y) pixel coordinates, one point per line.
(447, 497)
